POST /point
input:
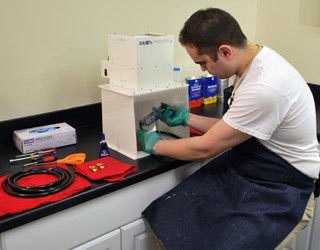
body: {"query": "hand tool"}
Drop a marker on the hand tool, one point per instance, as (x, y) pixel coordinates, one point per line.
(39, 152)
(72, 159)
(152, 116)
(34, 156)
(42, 159)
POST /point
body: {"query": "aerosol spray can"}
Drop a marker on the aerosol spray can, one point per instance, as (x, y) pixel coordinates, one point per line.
(150, 118)
(223, 84)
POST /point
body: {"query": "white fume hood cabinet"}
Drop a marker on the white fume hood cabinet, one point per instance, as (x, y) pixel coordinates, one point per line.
(140, 73)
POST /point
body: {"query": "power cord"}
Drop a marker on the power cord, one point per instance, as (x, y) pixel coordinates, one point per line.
(10, 186)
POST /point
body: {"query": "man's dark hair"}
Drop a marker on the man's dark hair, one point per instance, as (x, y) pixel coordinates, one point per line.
(208, 29)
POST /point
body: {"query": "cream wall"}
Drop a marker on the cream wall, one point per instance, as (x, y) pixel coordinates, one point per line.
(292, 27)
(51, 50)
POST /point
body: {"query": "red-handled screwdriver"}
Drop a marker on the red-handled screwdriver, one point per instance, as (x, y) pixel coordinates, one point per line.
(43, 159)
(34, 156)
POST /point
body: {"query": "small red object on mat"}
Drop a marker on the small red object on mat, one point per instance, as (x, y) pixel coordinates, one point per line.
(12, 205)
(106, 168)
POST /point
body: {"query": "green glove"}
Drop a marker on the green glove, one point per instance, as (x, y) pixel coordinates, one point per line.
(147, 139)
(172, 115)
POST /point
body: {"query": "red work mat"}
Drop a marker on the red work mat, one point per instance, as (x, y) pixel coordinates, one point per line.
(12, 205)
(112, 170)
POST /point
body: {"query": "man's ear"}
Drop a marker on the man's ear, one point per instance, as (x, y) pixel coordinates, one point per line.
(225, 51)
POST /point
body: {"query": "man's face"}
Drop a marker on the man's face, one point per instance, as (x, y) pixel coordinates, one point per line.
(219, 68)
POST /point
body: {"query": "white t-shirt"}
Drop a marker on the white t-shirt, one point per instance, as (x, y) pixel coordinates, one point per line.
(274, 104)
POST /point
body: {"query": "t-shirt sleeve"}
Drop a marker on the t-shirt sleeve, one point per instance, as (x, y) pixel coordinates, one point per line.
(257, 111)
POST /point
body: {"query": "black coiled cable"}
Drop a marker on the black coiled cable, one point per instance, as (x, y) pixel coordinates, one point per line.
(65, 178)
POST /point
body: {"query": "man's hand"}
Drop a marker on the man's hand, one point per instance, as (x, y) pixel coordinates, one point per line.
(147, 139)
(172, 115)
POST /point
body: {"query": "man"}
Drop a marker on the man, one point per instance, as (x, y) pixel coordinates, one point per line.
(254, 194)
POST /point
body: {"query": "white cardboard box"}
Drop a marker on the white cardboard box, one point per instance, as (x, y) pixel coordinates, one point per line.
(53, 135)
(142, 62)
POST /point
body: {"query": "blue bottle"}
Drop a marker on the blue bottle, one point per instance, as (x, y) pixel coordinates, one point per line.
(103, 147)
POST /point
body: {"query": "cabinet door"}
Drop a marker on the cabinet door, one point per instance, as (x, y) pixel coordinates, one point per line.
(109, 241)
(135, 236)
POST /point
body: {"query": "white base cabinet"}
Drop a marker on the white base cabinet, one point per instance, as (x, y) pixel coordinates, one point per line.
(133, 236)
(136, 236)
(109, 241)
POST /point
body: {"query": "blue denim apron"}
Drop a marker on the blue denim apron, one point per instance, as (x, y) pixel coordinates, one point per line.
(248, 198)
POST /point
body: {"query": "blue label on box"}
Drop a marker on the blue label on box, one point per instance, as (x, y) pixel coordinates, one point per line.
(194, 88)
(209, 86)
(29, 141)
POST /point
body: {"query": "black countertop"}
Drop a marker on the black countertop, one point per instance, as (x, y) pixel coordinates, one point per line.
(88, 142)
(89, 135)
